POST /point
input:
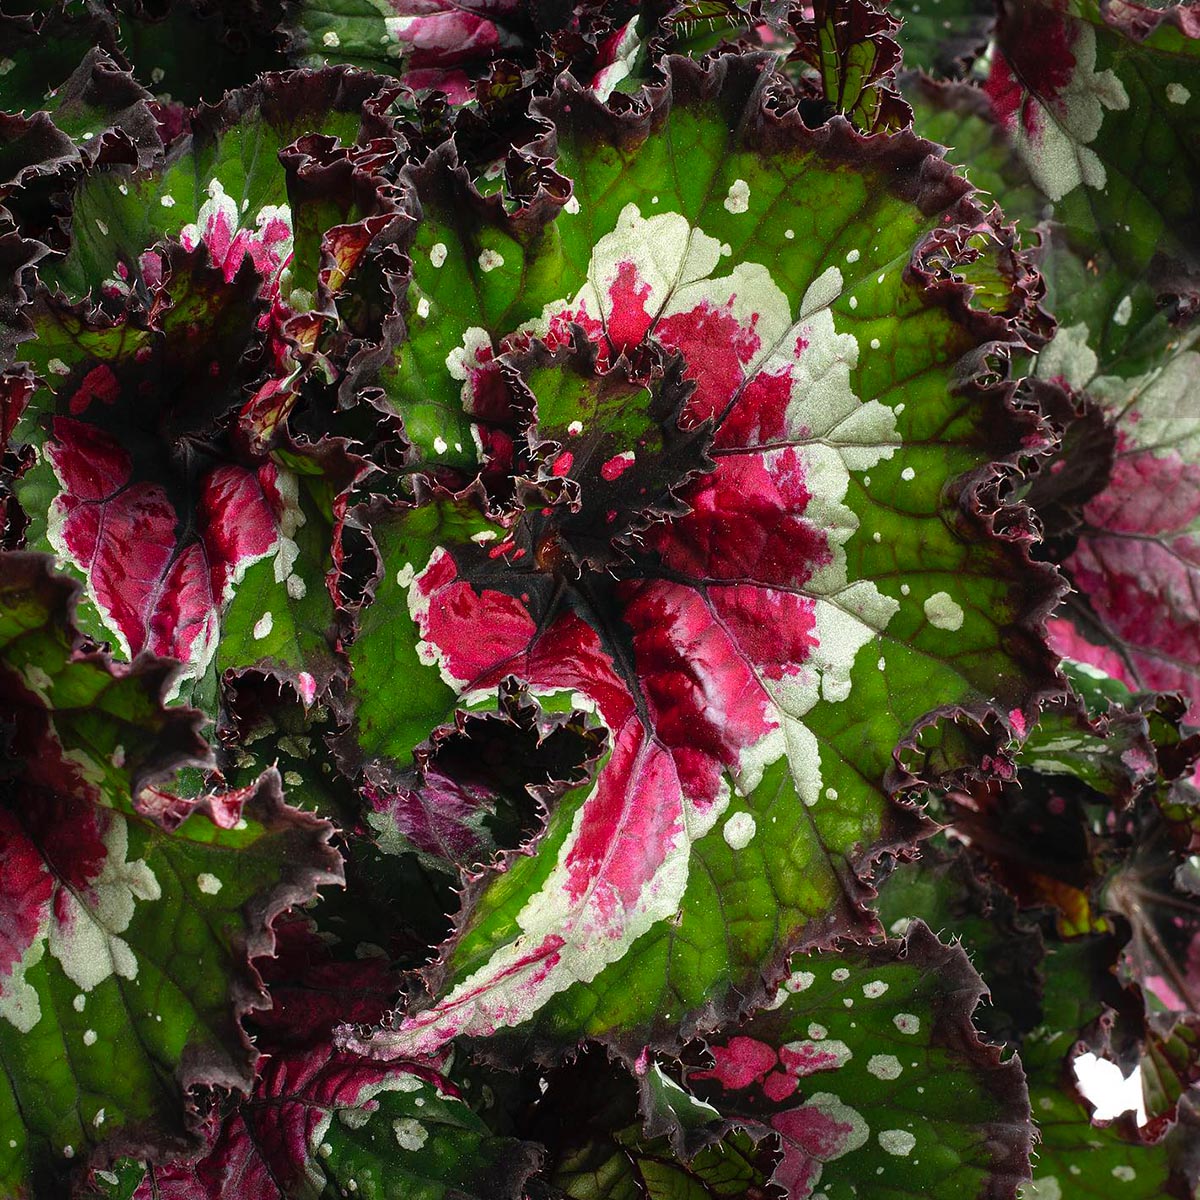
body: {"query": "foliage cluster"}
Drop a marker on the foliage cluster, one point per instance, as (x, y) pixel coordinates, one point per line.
(598, 600)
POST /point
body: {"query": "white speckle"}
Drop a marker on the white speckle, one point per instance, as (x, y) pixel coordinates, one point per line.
(1124, 311)
(898, 409)
(907, 474)
(1046, 1188)
(897, 1141)
(853, 301)
(1177, 93)
(405, 575)
(157, 75)
(262, 627)
(738, 200)
(423, 307)
(297, 589)
(653, 199)
(324, 1149)
(831, 793)
(484, 535)
(739, 830)
(440, 445)
(410, 1134)
(293, 778)
(726, 249)
(874, 989)
(87, 137)
(1124, 1174)
(572, 205)
(907, 1023)
(881, 665)
(852, 256)
(899, 927)
(884, 1066)
(6, 65)
(798, 981)
(881, 278)
(942, 612)
(437, 253)
(575, 428)
(877, 537)
(210, 885)
(68, 1152)
(817, 1032)
(89, 1037)
(489, 260)
(98, 1119)
(331, 39)
(167, 201)
(840, 975)
(100, 225)
(57, 367)
(789, 234)
(79, 1001)
(905, 589)
(875, 343)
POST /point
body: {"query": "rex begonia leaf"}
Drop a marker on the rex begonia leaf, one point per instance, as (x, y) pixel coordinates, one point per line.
(320, 1123)
(223, 185)
(127, 946)
(441, 46)
(98, 111)
(873, 1078)
(756, 660)
(1136, 560)
(1101, 106)
(179, 536)
(1051, 1000)
(325, 1124)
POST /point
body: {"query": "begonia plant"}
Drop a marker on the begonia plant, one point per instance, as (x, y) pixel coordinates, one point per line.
(599, 601)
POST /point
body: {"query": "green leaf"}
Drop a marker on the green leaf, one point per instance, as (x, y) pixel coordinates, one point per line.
(869, 1071)
(229, 168)
(127, 946)
(426, 45)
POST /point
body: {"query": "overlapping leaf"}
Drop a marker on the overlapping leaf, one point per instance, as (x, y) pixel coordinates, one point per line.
(126, 946)
(871, 1074)
(187, 547)
(755, 660)
(1101, 109)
